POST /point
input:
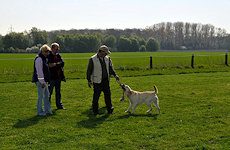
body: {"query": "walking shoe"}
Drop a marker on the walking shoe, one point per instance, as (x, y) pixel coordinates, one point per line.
(63, 108)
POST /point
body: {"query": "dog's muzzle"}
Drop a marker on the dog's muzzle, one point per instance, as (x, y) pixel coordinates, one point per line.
(123, 87)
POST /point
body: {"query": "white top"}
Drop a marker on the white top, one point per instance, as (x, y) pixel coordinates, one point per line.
(39, 69)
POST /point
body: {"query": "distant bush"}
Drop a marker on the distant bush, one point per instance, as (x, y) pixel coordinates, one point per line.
(142, 48)
(33, 49)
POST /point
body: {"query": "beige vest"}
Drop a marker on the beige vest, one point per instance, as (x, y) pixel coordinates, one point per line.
(96, 76)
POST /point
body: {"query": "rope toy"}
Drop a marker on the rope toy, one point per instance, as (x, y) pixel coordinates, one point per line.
(123, 97)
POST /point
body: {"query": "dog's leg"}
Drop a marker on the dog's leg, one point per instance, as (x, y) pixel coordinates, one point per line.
(130, 106)
(157, 106)
(150, 108)
(134, 107)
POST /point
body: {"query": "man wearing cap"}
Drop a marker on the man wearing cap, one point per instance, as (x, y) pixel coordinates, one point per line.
(99, 69)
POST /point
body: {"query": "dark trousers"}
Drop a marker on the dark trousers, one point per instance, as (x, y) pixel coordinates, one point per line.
(103, 86)
(57, 85)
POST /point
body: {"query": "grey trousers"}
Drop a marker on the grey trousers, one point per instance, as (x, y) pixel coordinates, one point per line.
(98, 88)
(57, 85)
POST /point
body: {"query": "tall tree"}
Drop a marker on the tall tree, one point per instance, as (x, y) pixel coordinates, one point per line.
(60, 39)
(228, 42)
(1, 45)
(194, 35)
(134, 45)
(110, 41)
(187, 35)
(152, 45)
(179, 35)
(15, 40)
(141, 41)
(93, 43)
(38, 36)
(170, 42)
(124, 44)
(220, 34)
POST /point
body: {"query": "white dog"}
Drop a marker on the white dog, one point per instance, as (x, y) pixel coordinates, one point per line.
(137, 98)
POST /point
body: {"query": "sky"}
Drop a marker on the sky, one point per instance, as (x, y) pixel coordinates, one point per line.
(49, 15)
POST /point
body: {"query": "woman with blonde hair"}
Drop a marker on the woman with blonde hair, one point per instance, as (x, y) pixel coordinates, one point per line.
(41, 76)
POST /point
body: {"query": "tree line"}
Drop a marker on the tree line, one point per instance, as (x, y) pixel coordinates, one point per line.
(190, 35)
(165, 36)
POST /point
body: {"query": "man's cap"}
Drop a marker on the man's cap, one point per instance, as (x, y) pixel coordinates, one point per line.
(105, 49)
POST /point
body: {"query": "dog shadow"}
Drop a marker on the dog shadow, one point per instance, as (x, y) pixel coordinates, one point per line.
(92, 120)
(154, 116)
(31, 121)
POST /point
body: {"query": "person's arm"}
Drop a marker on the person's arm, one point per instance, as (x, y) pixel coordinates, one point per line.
(89, 72)
(39, 69)
(61, 63)
(112, 71)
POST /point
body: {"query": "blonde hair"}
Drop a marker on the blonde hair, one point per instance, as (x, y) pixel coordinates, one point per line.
(45, 48)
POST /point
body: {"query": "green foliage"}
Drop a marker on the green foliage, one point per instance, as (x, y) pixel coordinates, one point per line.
(15, 40)
(7, 41)
(110, 41)
(21, 41)
(227, 45)
(170, 36)
(38, 36)
(152, 45)
(141, 41)
(142, 48)
(134, 45)
(60, 39)
(93, 44)
(124, 44)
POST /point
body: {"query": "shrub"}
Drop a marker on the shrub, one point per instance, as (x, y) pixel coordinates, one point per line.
(142, 48)
(152, 45)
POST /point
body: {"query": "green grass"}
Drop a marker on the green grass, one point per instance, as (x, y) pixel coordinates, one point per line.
(194, 115)
(19, 67)
(194, 105)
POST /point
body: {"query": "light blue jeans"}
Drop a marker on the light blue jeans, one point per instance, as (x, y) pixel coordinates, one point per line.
(43, 95)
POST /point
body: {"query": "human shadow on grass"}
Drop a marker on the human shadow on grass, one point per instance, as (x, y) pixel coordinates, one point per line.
(127, 115)
(92, 120)
(31, 121)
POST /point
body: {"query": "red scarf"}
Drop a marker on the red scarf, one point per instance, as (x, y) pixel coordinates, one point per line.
(55, 60)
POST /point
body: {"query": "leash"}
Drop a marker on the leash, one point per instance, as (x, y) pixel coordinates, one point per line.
(118, 82)
(123, 97)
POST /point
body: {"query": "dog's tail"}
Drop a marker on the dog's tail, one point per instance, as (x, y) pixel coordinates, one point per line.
(156, 90)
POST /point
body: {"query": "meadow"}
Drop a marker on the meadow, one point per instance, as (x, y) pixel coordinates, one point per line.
(194, 105)
(19, 67)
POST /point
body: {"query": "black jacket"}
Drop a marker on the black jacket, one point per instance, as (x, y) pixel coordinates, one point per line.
(53, 70)
(46, 71)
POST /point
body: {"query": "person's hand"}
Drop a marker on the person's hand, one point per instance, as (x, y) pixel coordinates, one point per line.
(52, 64)
(43, 85)
(117, 77)
(89, 84)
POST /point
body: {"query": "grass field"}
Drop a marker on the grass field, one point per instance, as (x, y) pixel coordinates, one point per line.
(19, 67)
(194, 110)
